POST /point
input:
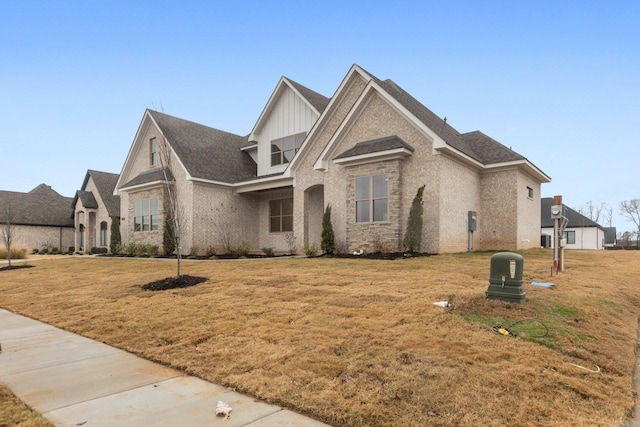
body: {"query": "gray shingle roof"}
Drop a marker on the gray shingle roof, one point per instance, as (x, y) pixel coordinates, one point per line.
(41, 206)
(105, 183)
(146, 177)
(207, 153)
(318, 101)
(375, 146)
(575, 218)
(474, 144)
(87, 199)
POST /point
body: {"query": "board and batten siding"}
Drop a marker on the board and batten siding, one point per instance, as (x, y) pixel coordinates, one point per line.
(290, 115)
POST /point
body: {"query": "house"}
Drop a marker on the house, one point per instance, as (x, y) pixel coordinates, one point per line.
(365, 152)
(42, 218)
(580, 232)
(94, 208)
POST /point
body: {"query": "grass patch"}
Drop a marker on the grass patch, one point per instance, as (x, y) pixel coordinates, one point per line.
(359, 342)
(15, 413)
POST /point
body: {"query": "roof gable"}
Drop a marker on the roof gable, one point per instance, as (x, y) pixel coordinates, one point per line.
(311, 98)
(105, 184)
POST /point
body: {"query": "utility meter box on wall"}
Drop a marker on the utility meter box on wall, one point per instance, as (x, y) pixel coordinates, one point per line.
(473, 221)
(505, 277)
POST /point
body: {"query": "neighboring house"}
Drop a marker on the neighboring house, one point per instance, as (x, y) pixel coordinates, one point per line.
(610, 237)
(580, 231)
(94, 208)
(43, 219)
(365, 152)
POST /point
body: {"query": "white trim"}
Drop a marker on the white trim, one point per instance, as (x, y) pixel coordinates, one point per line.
(396, 153)
(270, 183)
(521, 164)
(318, 126)
(143, 186)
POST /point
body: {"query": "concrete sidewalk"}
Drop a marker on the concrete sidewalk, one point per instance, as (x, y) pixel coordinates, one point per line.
(73, 381)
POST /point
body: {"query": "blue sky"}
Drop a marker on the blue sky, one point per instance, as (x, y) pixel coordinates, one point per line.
(558, 81)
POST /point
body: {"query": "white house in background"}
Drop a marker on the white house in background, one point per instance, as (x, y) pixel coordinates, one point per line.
(580, 232)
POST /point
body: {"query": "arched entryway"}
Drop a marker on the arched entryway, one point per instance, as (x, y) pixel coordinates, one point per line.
(313, 210)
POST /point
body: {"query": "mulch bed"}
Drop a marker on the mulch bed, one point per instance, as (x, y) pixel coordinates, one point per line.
(15, 267)
(183, 281)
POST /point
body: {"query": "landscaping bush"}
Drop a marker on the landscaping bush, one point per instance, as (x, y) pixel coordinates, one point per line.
(311, 251)
(242, 250)
(268, 251)
(72, 249)
(328, 238)
(16, 253)
(98, 250)
(34, 251)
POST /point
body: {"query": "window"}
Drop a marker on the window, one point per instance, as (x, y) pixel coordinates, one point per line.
(153, 151)
(81, 236)
(372, 198)
(103, 233)
(280, 215)
(530, 192)
(145, 215)
(571, 237)
(283, 149)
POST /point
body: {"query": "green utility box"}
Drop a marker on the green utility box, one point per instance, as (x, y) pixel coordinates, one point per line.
(505, 279)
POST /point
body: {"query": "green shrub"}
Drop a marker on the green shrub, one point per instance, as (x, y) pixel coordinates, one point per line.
(268, 251)
(34, 251)
(98, 250)
(242, 250)
(72, 249)
(328, 244)
(311, 251)
(413, 235)
(116, 238)
(168, 237)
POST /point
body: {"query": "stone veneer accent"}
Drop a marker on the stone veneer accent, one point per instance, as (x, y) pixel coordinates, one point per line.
(376, 236)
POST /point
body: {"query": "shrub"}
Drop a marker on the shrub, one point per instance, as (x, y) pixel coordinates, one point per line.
(16, 253)
(413, 235)
(168, 237)
(268, 251)
(242, 250)
(34, 251)
(116, 238)
(44, 251)
(311, 250)
(98, 250)
(72, 249)
(328, 244)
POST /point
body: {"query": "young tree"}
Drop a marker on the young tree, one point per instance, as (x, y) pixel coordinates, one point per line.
(413, 235)
(631, 210)
(172, 202)
(328, 243)
(8, 233)
(116, 237)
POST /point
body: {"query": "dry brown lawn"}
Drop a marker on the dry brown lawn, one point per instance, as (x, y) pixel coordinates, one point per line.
(356, 342)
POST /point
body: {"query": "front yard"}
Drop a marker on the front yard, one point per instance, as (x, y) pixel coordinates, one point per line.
(355, 342)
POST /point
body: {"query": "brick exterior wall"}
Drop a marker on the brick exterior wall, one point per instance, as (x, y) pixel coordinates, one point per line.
(38, 237)
(222, 220)
(497, 218)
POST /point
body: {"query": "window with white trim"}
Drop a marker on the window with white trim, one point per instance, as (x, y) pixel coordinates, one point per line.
(530, 192)
(281, 215)
(283, 149)
(372, 198)
(145, 215)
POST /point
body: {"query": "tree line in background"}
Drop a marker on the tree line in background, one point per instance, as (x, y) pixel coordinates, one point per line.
(603, 215)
